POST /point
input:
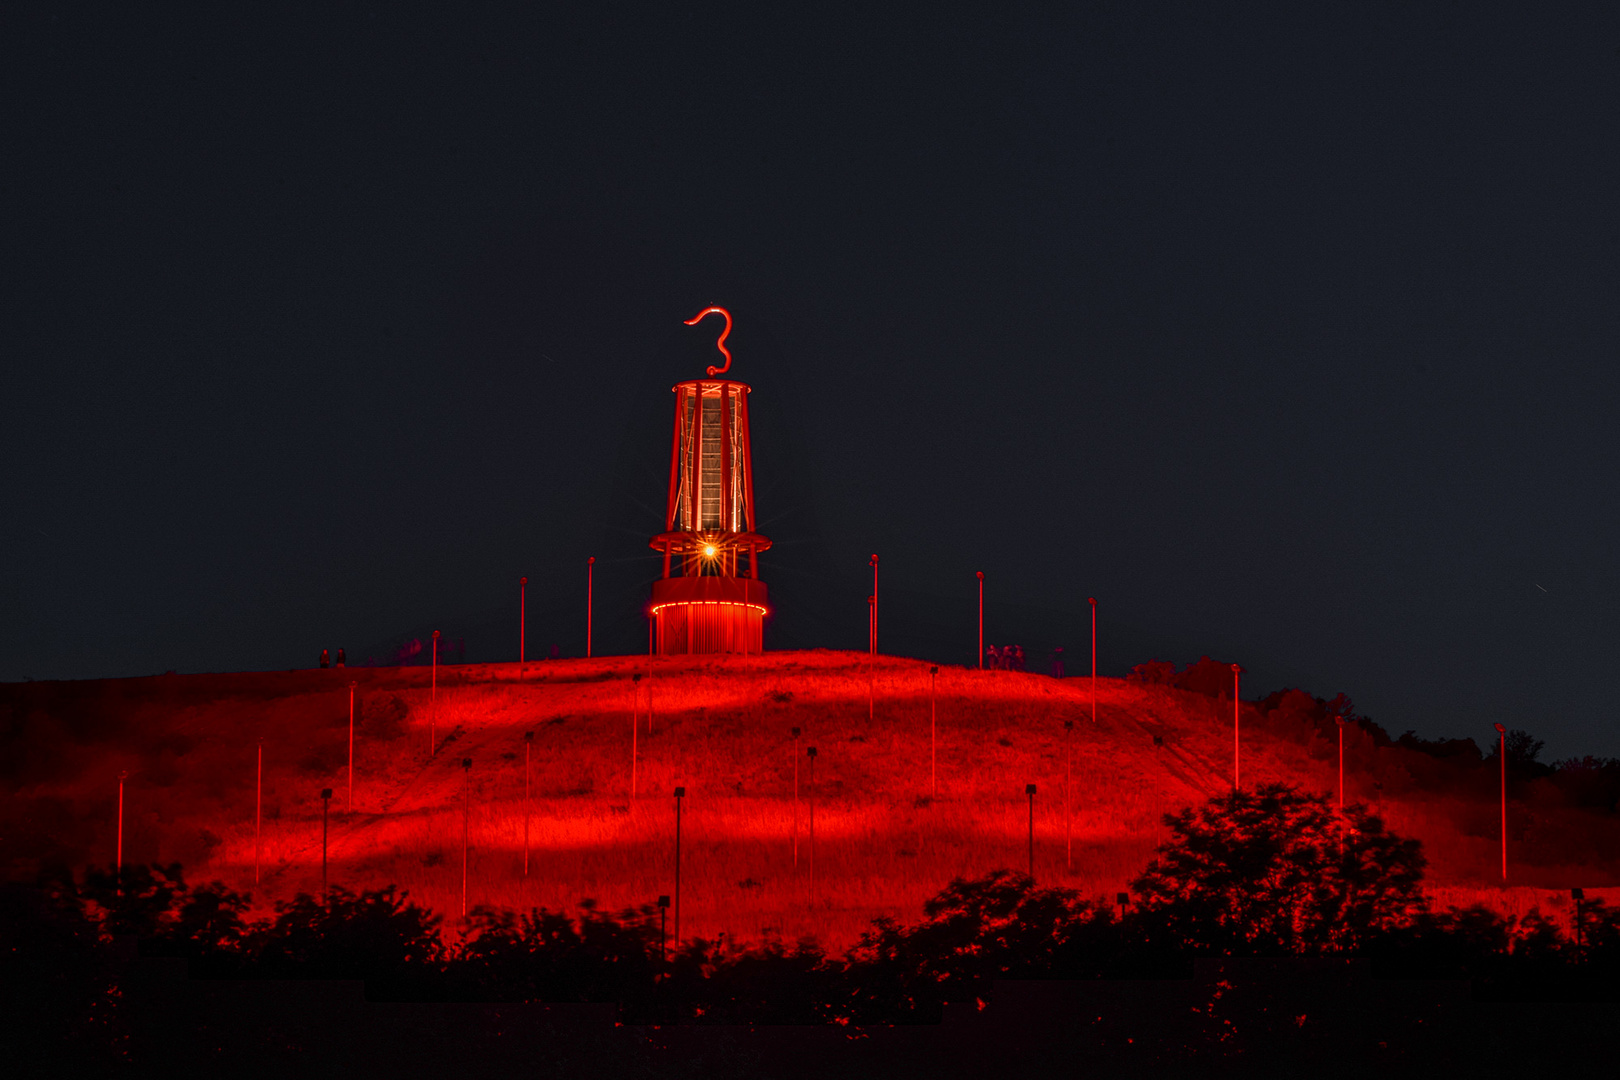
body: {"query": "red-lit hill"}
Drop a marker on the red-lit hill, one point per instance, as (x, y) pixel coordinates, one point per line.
(884, 838)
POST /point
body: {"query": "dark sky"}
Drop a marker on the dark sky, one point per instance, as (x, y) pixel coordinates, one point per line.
(1291, 339)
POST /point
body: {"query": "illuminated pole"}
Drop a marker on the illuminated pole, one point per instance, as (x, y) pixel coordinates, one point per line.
(933, 729)
(1236, 671)
(1093, 600)
(258, 812)
(635, 720)
(1340, 719)
(351, 747)
(1501, 753)
(118, 858)
(326, 806)
(981, 619)
(1068, 789)
(874, 604)
(466, 823)
(590, 597)
(1029, 789)
(433, 709)
(523, 622)
(528, 741)
(811, 753)
(680, 793)
(795, 798)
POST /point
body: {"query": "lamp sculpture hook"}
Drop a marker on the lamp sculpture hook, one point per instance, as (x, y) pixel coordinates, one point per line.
(721, 344)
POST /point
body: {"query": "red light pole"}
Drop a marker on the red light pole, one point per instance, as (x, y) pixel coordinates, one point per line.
(980, 574)
(1029, 789)
(811, 753)
(1501, 753)
(466, 825)
(590, 597)
(433, 709)
(1068, 790)
(680, 793)
(933, 728)
(326, 807)
(1236, 671)
(118, 858)
(258, 812)
(528, 741)
(1093, 600)
(1340, 720)
(874, 604)
(351, 746)
(795, 798)
(635, 719)
(523, 622)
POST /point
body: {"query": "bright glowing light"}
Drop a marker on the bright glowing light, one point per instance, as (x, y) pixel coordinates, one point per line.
(709, 551)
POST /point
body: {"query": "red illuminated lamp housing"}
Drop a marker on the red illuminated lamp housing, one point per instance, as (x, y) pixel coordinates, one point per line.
(703, 603)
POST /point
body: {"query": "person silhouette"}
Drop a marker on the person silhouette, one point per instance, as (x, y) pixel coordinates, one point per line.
(1057, 662)
(340, 658)
(325, 660)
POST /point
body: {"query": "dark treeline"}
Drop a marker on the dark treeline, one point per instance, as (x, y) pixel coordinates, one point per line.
(1268, 873)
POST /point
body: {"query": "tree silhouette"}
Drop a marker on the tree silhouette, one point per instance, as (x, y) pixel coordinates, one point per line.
(1278, 871)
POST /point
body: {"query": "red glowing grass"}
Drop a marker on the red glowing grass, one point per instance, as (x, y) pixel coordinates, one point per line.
(885, 840)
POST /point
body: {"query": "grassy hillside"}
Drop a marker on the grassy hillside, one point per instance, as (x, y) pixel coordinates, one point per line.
(884, 837)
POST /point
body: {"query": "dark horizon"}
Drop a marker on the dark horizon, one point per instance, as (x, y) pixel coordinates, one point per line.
(1289, 337)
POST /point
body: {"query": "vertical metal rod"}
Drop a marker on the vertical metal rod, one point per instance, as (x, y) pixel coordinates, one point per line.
(528, 742)
(1029, 789)
(1068, 792)
(811, 753)
(933, 728)
(351, 747)
(874, 604)
(466, 826)
(326, 806)
(795, 798)
(118, 858)
(1236, 775)
(258, 812)
(1501, 753)
(590, 596)
(726, 448)
(680, 793)
(1093, 600)
(523, 623)
(981, 619)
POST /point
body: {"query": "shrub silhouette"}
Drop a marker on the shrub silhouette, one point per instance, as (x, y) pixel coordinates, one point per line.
(1277, 871)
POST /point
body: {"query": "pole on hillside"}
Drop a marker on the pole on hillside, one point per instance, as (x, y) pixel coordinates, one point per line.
(795, 798)
(258, 812)
(1340, 720)
(352, 685)
(680, 793)
(326, 806)
(1068, 790)
(1501, 753)
(874, 604)
(433, 700)
(528, 742)
(1236, 671)
(466, 825)
(980, 574)
(635, 720)
(811, 754)
(933, 730)
(590, 601)
(1093, 600)
(118, 857)
(1029, 789)
(523, 622)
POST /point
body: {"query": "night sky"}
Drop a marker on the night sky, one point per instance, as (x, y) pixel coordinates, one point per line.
(1291, 339)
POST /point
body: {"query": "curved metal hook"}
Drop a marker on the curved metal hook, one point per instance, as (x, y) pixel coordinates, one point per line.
(721, 344)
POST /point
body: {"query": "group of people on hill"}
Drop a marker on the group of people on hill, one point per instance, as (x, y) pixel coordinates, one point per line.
(326, 659)
(1004, 657)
